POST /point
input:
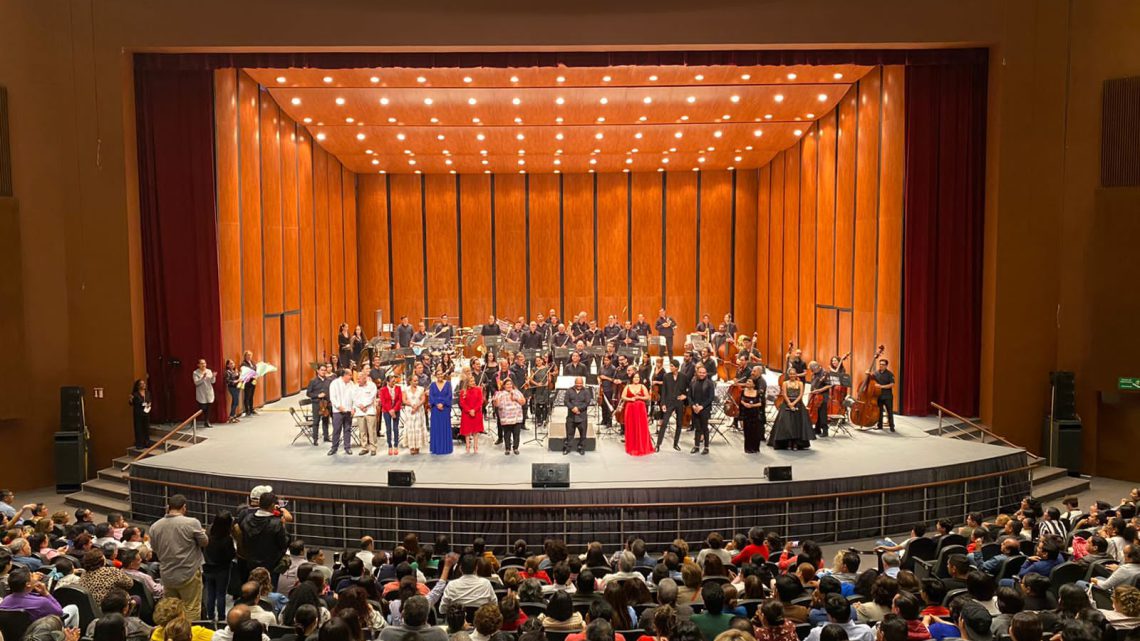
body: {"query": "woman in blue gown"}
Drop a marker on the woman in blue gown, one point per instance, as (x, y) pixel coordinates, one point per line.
(439, 399)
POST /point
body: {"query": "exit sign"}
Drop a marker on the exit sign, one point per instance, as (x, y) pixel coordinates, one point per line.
(1130, 384)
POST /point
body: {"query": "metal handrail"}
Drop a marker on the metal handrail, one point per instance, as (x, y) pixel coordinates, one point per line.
(193, 419)
(978, 426)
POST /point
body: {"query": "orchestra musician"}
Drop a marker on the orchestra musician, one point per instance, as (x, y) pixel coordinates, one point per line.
(404, 333)
(576, 367)
(707, 359)
(730, 327)
(665, 326)
(794, 363)
(515, 333)
(641, 326)
(579, 328)
(628, 335)
(820, 386)
(538, 384)
(377, 372)
(491, 328)
(420, 334)
(886, 380)
(706, 328)
(318, 394)
(443, 329)
(577, 403)
(421, 375)
(721, 336)
(701, 394)
(612, 330)
(748, 356)
(608, 375)
(358, 342)
(518, 374)
(673, 395)
(344, 347)
(560, 339)
(532, 338)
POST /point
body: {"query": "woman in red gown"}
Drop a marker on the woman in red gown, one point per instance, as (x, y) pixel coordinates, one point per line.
(471, 407)
(636, 396)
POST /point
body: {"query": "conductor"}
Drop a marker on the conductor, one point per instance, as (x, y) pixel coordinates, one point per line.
(577, 401)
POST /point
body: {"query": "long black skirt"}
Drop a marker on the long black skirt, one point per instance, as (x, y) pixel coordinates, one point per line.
(792, 429)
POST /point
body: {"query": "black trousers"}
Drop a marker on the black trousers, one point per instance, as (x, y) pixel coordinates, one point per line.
(247, 397)
(319, 420)
(701, 428)
(821, 417)
(886, 406)
(511, 435)
(678, 413)
(572, 427)
(668, 347)
(607, 412)
(205, 407)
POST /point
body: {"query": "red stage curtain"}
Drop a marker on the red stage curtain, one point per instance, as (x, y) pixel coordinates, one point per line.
(174, 111)
(942, 246)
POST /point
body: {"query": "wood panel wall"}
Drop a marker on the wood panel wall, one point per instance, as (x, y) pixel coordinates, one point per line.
(829, 232)
(287, 218)
(520, 245)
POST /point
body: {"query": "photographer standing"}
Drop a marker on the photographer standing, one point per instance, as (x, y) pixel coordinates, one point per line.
(264, 540)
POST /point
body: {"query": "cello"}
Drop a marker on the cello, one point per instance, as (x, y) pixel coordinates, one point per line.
(865, 411)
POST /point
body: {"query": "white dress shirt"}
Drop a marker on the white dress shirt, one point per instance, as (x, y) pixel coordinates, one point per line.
(340, 395)
(364, 399)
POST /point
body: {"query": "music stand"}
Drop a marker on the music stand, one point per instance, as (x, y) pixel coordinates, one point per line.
(630, 352)
(511, 346)
(493, 343)
(699, 342)
(529, 354)
(562, 353)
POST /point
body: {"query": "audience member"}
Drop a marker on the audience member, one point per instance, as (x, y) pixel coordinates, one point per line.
(839, 613)
(118, 603)
(178, 540)
(770, 624)
(27, 593)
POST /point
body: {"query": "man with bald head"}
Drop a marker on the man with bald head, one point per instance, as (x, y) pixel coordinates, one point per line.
(577, 403)
(237, 615)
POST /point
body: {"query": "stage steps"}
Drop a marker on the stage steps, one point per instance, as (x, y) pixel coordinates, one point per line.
(110, 491)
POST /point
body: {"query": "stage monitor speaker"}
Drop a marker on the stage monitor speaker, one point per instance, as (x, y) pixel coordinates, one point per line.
(401, 478)
(1068, 454)
(1064, 396)
(778, 472)
(550, 475)
(71, 417)
(70, 461)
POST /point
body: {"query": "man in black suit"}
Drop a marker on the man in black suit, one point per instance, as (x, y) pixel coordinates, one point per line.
(665, 326)
(575, 367)
(577, 402)
(673, 404)
(702, 392)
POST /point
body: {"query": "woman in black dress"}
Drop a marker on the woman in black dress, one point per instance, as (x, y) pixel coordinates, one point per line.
(140, 404)
(344, 347)
(358, 342)
(792, 429)
(751, 405)
(230, 378)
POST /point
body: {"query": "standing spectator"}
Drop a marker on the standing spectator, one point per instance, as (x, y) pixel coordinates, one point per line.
(178, 540)
(263, 536)
(219, 556)
(140, 410)
(204, 389)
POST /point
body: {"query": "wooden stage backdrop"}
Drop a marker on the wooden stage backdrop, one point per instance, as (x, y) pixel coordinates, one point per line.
(807, 248)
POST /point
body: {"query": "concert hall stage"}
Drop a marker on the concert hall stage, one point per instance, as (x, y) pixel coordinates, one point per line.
(844, 487)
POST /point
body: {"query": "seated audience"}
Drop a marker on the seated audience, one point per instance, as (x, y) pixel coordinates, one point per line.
(118, 603)
(132, 567)
(1009, 603)
(839, 613)
(237, 615)
(1126, 573)
(1010, 547)
(560, 615)
(788, 588)
(713, 620)
(1035, 591)
(470, 589)
(909, 608)
(882, 598)
(933, 592)
(513, 616)
(1125, 612)
(27, 593)
(770, 625)
(488, 621)
(415, 621)
(172, 611)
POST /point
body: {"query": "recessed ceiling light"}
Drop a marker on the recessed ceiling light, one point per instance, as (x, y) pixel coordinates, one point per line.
(798, 132)
(522, 152)
(604, 100)
(560, 79)
(281, 80)
(727, 116)
(418, 171)
(558, 120)
(296, 101)
(466, 78)
(484, 162)
(822, 97)
(480, 137)
(837, 75)
(327, 79)
(660, 169)
(520, 137)
(514, 78)
(446, 152)
(392, 119)
(757, 133)
(557, 161)
(482, 152)
(629, 161)
(701, 159)
(559, 100)
(738, 158)
(673, 149)
(375, 161)
(734, 98)
(746, 76)
(647, 100)
(684, 117)
(791, 76)
(400, 137)
(748, 147)
(767, 116)
(518, 120)
(593, 161)
(522, 161)
(439, 137)
(428, 101)
(597, 151)
(383, 101)
(809, 115)
(665, 160)
(369, 151)
(408, 152)
(515, 101)
(591, 171)
(599, 135)
(472, 101)
(374, 79)
(652, 78)
(678, 135)
(360, 136)
(691, 99)
(625, 171)
(779, 97)
(411, 161)
(718, 133)
(451, 171)
(307, 120)
(633, 151)
(486, 171)
(557, 152)
(606, 78)
(638, 135)
(558, 136)
(643, 118)
(383, 171)
(421, 79)
(557, 171)
(601, 118)
(696, 168)
(475, 120)
(320, 136)
(698, 77)
(710, 148)
(732, 168)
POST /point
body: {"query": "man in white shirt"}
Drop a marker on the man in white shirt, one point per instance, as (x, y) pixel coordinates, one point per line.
(251, 598)
(367, 548)
(236, 616)
(625, 570)
(469, 590)
(364, 409)
(839, 612)
(341, 397)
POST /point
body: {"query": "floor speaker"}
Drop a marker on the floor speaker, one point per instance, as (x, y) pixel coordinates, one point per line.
(70, 461)
(71, 417)
(1069, 446)
(778, 472)
(401, 478)
(550, 475)
(1064, 395)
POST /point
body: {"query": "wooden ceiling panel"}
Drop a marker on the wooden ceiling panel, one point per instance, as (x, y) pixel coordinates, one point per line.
(609, 119)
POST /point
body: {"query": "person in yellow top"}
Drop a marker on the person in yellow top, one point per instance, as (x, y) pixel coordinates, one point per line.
(169, 612)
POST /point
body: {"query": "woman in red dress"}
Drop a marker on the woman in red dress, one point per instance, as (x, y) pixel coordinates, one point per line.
(471, 406)
(636, 396)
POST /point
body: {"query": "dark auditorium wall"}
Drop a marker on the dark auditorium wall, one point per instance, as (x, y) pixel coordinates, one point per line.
(286, 229)
(829, 276)
(519, 245)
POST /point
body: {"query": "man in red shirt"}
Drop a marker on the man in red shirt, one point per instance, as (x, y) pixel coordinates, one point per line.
(756, 545)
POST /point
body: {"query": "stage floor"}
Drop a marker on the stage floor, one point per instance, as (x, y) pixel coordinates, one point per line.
(261, 449)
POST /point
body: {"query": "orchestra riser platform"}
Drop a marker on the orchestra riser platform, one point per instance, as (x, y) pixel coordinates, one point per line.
(844, 487)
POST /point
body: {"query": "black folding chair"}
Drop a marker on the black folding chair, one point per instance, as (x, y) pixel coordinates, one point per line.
(304, 426)
(1010, 567)
(81, 599)
(14, 623)
(1067, 572)
(920, 549)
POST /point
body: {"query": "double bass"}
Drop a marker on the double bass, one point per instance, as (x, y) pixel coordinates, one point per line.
(732, 400)
(839, 392)
(726, 359)
(865, 411)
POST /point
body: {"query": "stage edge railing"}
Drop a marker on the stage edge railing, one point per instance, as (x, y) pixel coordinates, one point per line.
(822, 517)
(982, 429)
